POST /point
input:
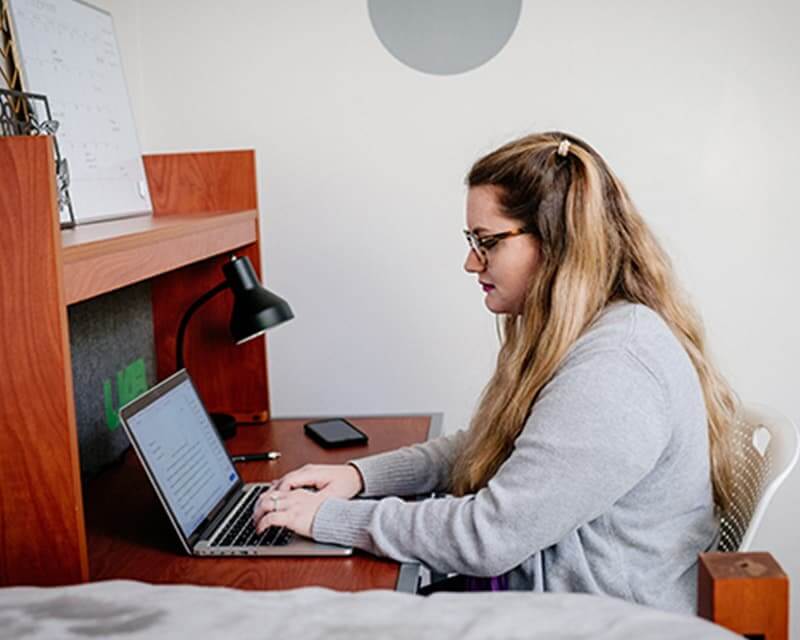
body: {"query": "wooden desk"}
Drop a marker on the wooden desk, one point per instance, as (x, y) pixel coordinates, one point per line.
(130, 537)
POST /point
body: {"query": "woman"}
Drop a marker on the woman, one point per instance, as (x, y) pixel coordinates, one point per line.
(599, 449)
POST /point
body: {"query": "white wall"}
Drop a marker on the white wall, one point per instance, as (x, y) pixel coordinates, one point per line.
(361, 162)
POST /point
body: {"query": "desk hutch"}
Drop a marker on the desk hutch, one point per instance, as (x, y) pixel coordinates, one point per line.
(204, 209)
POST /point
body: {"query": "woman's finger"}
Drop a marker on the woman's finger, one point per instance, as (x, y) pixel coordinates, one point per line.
(276, 485)
(267, 501)
(266, 510)
(273, 519)
(306, 476)
(284, 482)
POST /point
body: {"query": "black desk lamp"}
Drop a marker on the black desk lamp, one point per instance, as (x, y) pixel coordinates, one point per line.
(254, 311)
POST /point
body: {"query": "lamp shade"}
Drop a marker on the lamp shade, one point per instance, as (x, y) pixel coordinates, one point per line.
(255, 309)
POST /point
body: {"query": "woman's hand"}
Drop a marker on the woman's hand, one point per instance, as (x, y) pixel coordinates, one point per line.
(331, 480)
(288, 503)
(293, 509)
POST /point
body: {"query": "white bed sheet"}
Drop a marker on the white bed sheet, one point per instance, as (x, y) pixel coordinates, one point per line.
(132, 610)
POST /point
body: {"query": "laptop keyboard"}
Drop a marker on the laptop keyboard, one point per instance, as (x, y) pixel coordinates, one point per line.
(241, 530)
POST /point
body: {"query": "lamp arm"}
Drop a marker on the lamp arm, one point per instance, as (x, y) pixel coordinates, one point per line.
(187, 316)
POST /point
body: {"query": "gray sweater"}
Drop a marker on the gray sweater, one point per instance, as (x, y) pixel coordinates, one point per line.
(607, 489)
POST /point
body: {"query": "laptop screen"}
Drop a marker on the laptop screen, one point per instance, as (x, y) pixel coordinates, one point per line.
(184, 454)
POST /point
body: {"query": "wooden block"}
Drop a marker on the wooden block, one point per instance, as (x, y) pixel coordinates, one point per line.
(747, 593)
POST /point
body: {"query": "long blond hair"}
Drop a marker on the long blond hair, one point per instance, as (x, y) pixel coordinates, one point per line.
(595, 248)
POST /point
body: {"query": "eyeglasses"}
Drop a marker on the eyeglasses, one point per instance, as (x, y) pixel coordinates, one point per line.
(482, 244)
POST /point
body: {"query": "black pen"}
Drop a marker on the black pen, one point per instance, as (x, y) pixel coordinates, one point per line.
(252, 457)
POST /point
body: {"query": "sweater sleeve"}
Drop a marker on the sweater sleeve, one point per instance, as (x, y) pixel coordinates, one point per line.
(417, 469)
(594, 432)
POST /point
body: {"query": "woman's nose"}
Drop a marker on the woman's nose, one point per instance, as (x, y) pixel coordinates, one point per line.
(473, 264)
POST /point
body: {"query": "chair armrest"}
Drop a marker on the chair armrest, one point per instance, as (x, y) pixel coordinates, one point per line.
(747, 593)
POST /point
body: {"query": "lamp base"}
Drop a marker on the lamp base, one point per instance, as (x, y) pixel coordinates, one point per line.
(225, 424)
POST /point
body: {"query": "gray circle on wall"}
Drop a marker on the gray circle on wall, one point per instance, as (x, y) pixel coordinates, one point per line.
(444, 37)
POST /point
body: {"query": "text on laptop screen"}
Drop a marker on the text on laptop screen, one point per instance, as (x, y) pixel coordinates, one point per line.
(184, 454)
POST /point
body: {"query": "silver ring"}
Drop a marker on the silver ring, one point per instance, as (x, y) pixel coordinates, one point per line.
(275, 500)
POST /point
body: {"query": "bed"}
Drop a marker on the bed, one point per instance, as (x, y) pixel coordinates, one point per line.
(130, 610)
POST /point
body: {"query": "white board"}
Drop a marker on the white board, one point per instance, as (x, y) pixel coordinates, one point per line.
(68, 51)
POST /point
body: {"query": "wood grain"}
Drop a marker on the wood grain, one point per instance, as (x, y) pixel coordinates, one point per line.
(747, 593)
(104, 256)
(230, 378)
(196, 182)
(130, 536)
(42, 538)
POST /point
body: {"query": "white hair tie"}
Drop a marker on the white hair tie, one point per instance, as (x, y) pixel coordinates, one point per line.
(563, 148)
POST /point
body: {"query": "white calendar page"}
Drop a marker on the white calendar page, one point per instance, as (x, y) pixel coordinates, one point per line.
(68, 52)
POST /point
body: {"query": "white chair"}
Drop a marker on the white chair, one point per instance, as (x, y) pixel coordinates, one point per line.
(766, 446)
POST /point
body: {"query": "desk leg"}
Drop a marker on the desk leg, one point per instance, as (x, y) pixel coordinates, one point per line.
(408, 579)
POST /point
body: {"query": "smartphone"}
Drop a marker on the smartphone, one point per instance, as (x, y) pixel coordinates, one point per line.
(335, 432)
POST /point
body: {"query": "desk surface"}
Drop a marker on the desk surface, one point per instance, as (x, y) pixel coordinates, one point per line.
(130, 537)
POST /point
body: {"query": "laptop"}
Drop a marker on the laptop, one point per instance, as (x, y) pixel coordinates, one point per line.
(196, 481)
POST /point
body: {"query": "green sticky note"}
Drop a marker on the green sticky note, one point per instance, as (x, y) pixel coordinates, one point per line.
(131, 382)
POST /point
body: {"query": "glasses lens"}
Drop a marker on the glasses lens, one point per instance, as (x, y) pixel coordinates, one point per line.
(475, 245)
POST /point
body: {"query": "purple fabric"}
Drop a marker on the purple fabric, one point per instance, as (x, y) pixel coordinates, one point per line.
(497, 583)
